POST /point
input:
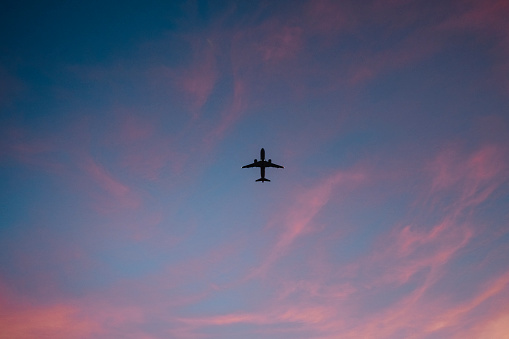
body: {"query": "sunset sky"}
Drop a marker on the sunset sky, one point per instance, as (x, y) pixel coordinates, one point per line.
(125, 213)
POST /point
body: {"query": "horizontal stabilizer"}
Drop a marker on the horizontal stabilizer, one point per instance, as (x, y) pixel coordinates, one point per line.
(263, 179)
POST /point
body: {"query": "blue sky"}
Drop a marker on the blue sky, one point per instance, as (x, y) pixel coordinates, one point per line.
(125, 211)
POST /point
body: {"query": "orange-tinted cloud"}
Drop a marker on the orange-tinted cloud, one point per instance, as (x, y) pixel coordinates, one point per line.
(54, 321)
(496, 327)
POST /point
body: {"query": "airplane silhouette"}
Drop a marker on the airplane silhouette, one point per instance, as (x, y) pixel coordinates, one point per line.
(262, 164)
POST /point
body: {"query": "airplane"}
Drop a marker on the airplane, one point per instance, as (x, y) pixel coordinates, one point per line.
(262, 164)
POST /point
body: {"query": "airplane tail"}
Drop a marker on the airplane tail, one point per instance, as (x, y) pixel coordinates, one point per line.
(263, 179)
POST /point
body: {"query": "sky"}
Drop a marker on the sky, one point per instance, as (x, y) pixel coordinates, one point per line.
(125, 213)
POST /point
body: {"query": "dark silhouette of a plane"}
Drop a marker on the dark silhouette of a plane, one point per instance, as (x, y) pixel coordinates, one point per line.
(262, 164)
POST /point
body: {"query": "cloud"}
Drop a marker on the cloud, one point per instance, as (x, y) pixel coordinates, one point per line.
(197, 79)
(20, 320)
(143, 149)
(328, 17)
(420, 253)
(229, 115)
(67, 154)
(493, 328)
(458, 314)
(296, 221)
(31, 150)
(283, 43)
(290, 319)
(394, 289)
(475, 178)
(104, 179)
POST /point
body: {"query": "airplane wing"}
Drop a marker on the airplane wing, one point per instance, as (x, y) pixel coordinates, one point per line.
(254, 164)
(271, 164)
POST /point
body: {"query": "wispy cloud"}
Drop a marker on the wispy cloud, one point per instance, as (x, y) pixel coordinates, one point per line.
(297, 220)
(403, 269)
(20, 320)
(197, 79)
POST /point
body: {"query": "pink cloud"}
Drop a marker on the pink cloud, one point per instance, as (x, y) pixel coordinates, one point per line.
(92, 316)
(332, 304)
(282, 43)
(405, 44)
(134, 128)
(418, 254)
(21, 320)
(328, 17)
(418, 317)
(302, 316)
(472, 180)
(230, 115)
(297, 220)
(149, 158)
(416, 248)
(495, 327)
(489, 14)
(368, 65)
(272, 42)
(328, 24)
(477, 176)
(104, 179)
(262, 53)
(486, 18)
(457, 315)
(72, 161)
(196, 81)
(123, 196)
(19, 144)
(329, 304)
(142, 147)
